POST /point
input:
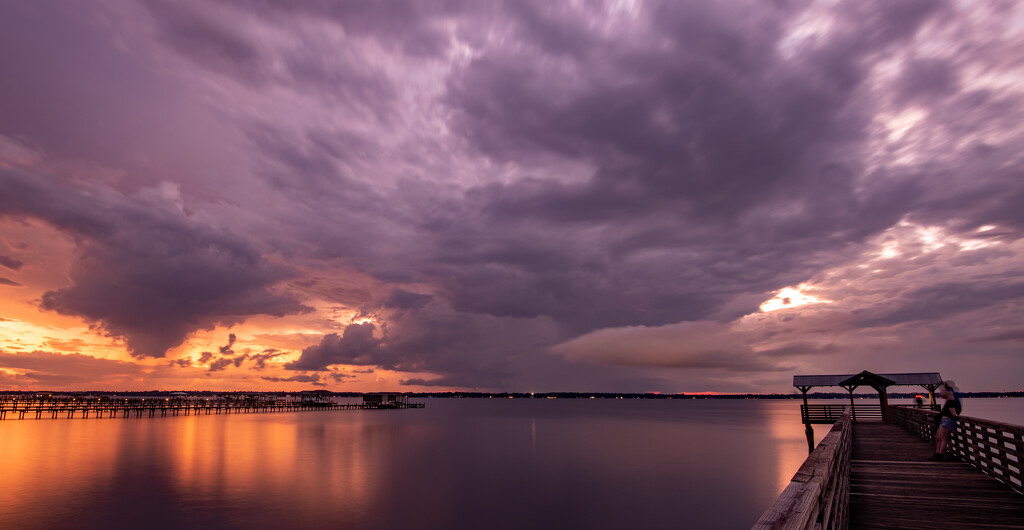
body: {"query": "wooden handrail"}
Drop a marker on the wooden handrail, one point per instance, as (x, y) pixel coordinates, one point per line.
(815, 413)
(819, 494)
(995, 448)
(830, 413)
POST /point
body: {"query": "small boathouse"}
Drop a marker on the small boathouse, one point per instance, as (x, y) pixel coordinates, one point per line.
(385, 399)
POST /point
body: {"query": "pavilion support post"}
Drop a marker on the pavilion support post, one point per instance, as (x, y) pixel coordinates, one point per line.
(883, 402)
(808, 429)
(931, 394)
(853, 407)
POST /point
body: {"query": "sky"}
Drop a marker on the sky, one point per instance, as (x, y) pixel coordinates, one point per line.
(618, 196)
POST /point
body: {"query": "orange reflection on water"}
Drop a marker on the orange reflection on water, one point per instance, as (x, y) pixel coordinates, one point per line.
(42, 456)
(788, 438)
(456, 464)
(303, 462)
(98, 471)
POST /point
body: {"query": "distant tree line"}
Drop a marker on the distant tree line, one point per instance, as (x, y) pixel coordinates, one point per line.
(514, 395)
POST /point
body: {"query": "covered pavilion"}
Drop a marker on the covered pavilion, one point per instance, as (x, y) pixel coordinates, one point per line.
(930, 381)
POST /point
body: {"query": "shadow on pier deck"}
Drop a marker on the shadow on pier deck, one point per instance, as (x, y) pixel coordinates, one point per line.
(893, 485)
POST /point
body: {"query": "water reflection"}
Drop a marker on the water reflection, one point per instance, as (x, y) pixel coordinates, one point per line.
(455, 464)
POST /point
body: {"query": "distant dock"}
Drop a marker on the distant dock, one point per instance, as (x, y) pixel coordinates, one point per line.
(34, 407)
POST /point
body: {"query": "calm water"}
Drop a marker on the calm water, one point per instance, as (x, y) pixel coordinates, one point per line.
(456, 464)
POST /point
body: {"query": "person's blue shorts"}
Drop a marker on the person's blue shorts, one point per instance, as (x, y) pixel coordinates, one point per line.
(948, 423)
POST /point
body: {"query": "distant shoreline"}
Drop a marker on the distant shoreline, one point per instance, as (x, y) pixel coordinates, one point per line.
(504, 395)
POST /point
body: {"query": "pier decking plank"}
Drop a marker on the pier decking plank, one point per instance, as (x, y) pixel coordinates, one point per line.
(893, 485)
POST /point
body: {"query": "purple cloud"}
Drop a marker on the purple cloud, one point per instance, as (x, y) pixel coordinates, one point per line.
(313, 378)
(259, 360)
(146, 272)
(10, 263)
(524, 193)
(231, 342)
(356, 345)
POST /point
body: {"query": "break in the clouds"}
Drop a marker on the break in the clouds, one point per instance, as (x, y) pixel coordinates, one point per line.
(525, 195)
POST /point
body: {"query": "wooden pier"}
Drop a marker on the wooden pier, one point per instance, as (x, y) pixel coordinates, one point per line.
(893, 485)
(34, 408)
(875, 474)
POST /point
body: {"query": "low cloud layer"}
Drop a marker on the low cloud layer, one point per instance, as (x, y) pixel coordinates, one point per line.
(686, 345)
(48, 369)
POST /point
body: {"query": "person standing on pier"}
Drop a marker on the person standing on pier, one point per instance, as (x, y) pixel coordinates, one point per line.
(947, 419)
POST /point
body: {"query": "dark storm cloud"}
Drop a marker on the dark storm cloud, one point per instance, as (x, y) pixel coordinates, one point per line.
(463, 349)
(1015, 335)
(799, 349)
(224, 362)
(935, 302)
(723, 165)
(231, 342)
(489, 180)
(79, 93)
(309, 164)
(213, 39)
(10, 263)
(220, 364)
(5, 281)
(356, 345)
(402, 299)
(719, 166)
(145, 271)
(994, 199)
(338, 377)
(408, 27)
(314, 378)
(213, 42)
(259, 360)
(927, 79)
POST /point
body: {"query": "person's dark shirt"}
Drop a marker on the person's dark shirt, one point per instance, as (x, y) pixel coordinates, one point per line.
(951, 404)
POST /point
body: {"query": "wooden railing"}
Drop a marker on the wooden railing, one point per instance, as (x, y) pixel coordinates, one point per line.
(828, 414)
(997, 449)
(867, 412)
(819, 494)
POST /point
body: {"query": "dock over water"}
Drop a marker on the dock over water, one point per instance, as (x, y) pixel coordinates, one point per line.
(893, 485)
(875, 473)
(21, 407)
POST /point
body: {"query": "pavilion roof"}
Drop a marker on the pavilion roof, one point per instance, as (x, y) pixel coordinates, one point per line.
(904, 379)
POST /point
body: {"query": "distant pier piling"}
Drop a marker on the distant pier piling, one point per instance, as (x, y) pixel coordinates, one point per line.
(22, 407)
